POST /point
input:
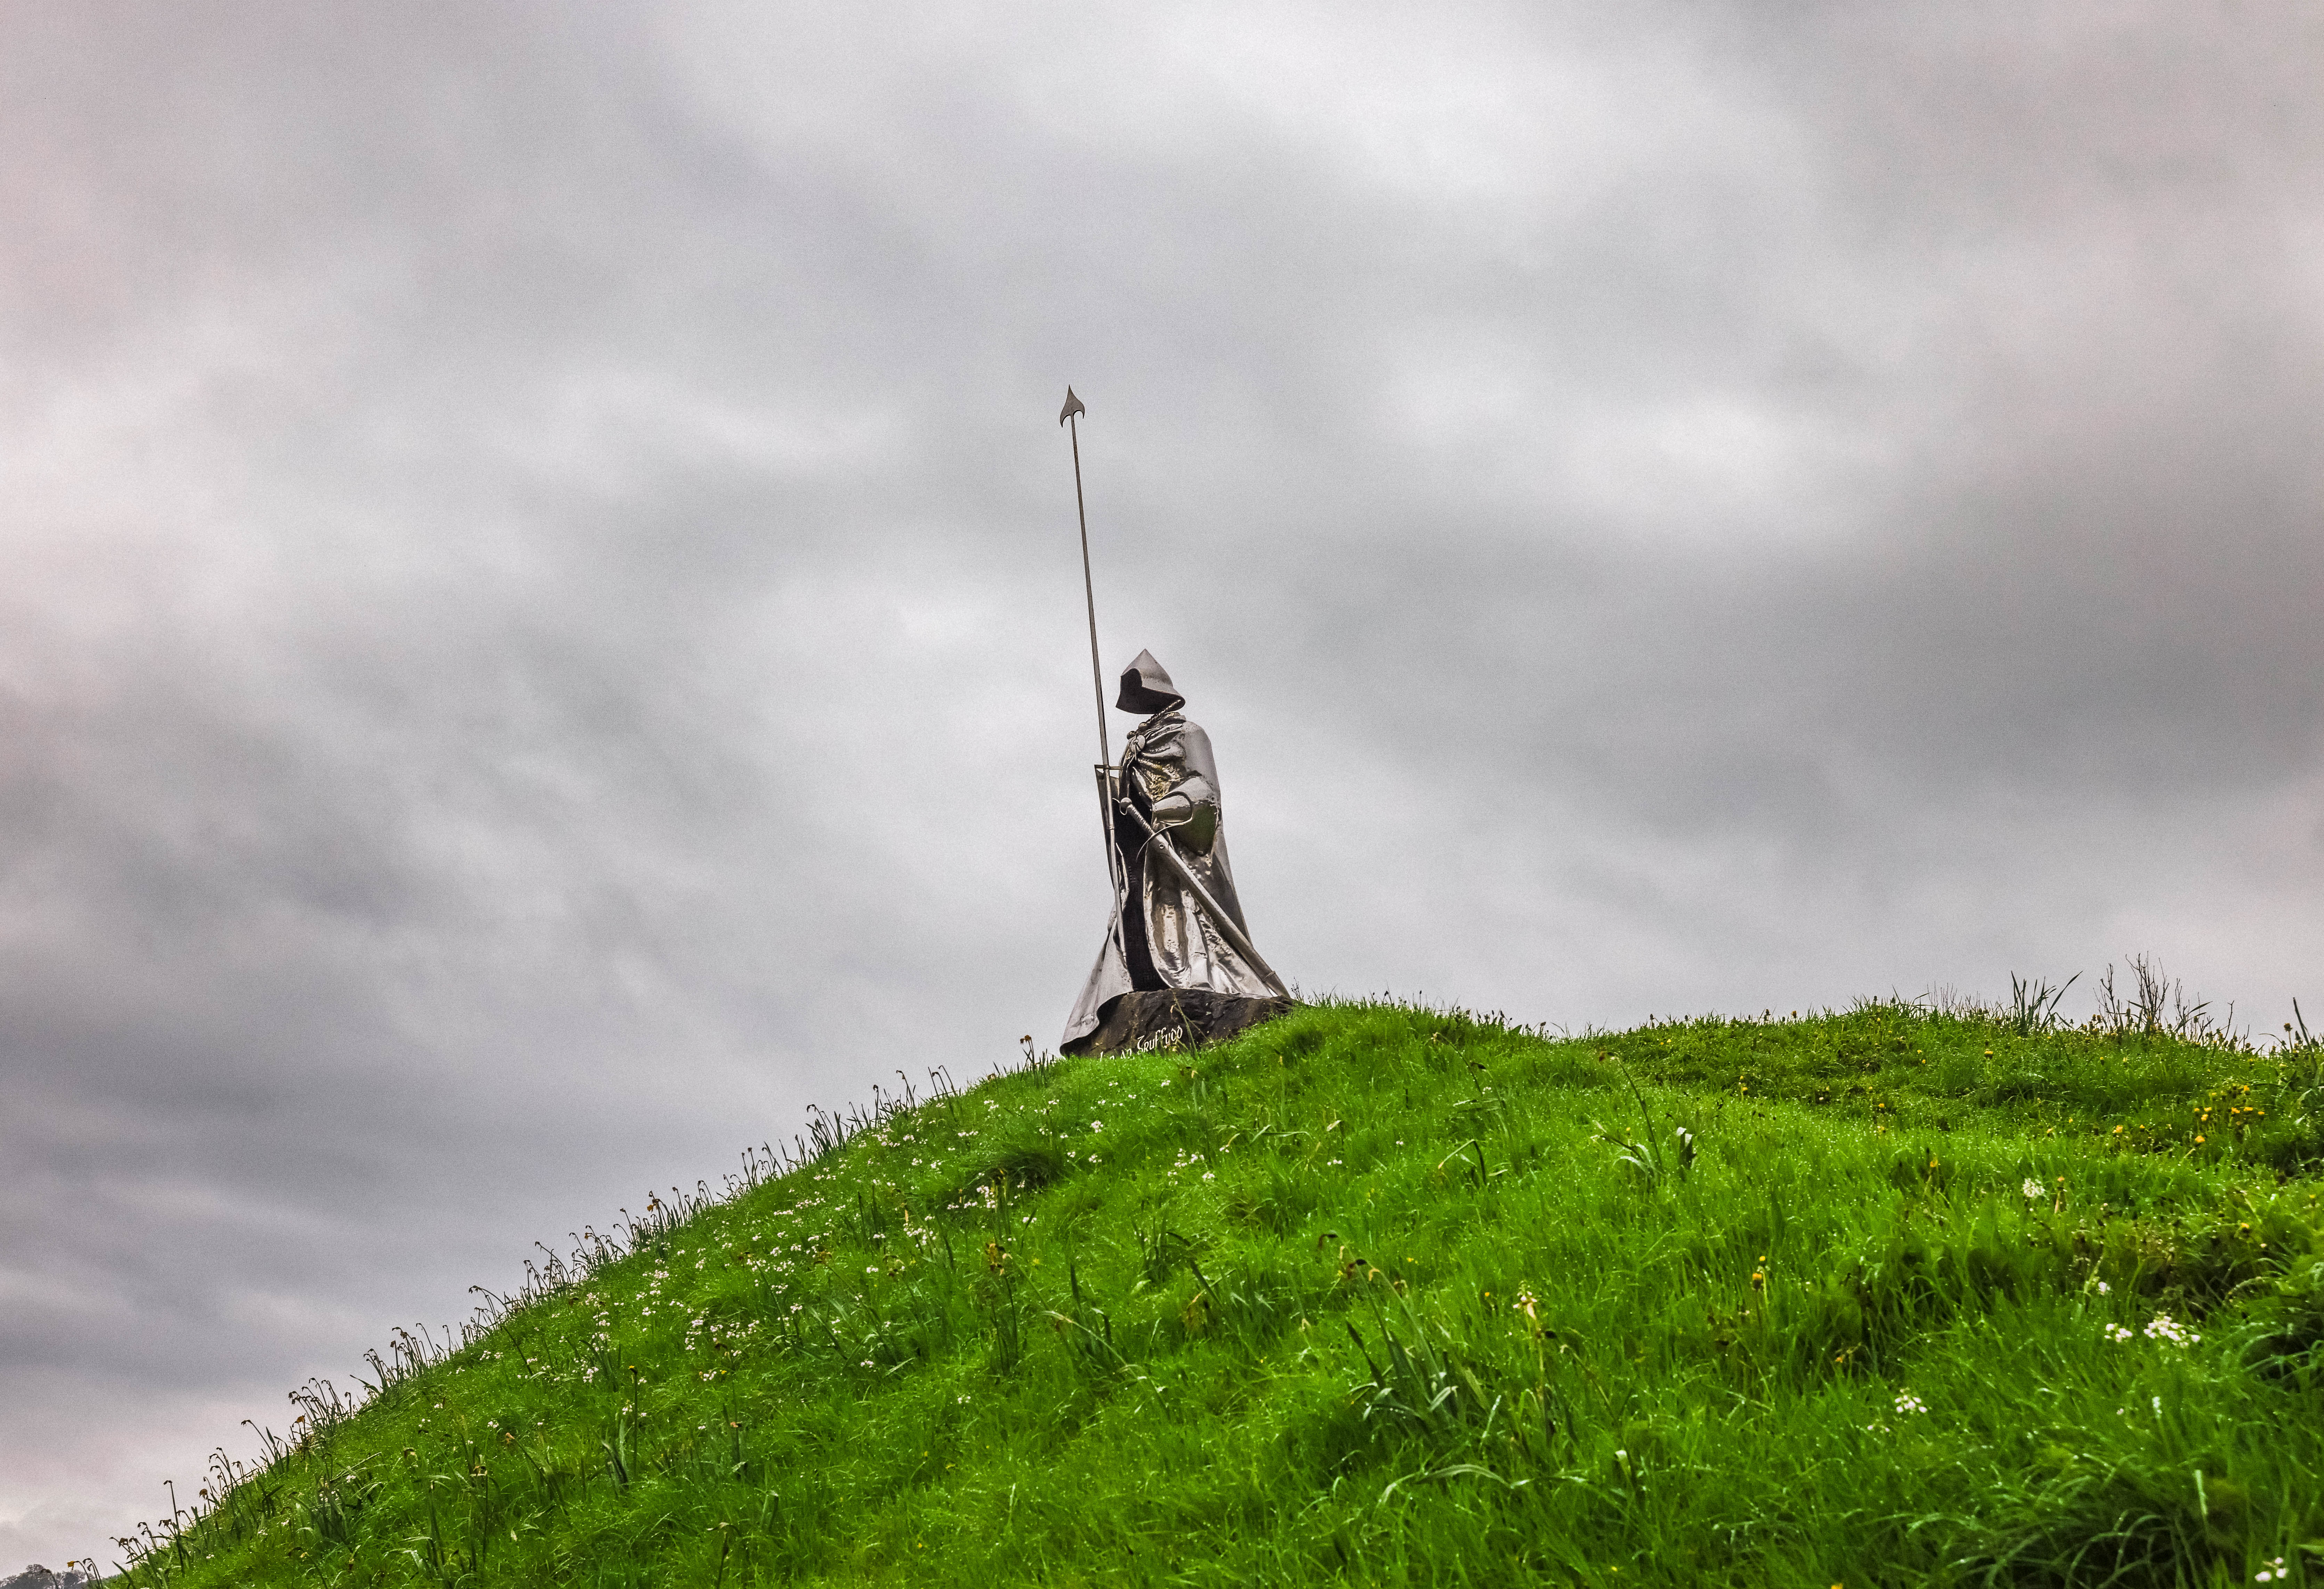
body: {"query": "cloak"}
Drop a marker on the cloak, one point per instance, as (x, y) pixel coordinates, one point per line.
(1159, 938)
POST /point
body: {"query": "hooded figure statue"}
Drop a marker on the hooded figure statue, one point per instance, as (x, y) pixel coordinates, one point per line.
(1168, 970)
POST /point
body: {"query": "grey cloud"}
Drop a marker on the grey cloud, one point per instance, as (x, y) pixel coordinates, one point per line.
(544, 627)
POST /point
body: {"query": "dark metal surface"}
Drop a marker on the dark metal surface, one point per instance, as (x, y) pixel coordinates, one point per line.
(1146, 686)
(1162, 850)
(1170, 1019)
(1177, 921)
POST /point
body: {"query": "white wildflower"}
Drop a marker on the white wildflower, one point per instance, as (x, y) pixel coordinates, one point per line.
(2032, 1190)
(2165, 1328)
(1907, 1403)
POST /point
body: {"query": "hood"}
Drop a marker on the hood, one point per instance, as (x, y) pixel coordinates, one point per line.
(1146, 688)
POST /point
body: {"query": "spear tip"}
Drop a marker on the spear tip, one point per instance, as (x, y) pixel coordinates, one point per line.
(1073, 405)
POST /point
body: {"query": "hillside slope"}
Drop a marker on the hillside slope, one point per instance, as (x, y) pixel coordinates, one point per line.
(1381, 1294)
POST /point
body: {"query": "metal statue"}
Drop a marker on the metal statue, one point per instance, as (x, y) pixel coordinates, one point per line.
(1178, 965)
(1177, 931)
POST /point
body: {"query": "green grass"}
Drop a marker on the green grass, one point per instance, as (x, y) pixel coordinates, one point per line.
(1385, 1295)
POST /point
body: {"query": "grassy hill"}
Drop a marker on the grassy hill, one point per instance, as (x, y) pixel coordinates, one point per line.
(1382, 1294)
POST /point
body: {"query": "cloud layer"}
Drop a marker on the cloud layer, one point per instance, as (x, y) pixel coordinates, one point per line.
(544, 630)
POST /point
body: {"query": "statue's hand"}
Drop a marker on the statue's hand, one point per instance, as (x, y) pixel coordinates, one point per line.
(1172, 810)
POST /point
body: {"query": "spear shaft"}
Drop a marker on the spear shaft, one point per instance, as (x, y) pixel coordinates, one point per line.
(1070, 416)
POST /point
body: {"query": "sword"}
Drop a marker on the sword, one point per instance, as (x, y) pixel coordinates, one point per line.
(1236, 938)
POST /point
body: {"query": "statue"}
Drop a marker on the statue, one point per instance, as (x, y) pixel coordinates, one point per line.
(1177, 964)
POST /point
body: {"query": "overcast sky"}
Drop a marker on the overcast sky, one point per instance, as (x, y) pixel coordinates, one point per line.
(542, 631)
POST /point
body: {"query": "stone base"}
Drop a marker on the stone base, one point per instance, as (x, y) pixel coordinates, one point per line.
(1135, 1021)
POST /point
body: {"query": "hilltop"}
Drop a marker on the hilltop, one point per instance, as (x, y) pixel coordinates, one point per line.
(1384, 1294)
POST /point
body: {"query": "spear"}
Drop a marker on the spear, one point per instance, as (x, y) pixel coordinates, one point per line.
(1070, 416)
